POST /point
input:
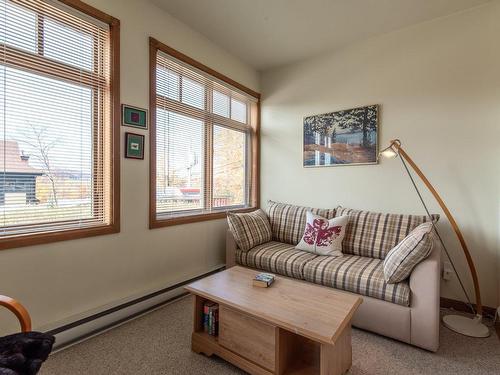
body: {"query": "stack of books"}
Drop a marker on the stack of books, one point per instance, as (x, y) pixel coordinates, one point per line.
(211, 318)
(263, 280)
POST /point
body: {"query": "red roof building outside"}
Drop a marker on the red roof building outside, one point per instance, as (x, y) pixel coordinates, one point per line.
(12, 161)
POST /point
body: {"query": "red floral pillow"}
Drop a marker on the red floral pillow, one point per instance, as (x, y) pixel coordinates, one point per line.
(323, 236)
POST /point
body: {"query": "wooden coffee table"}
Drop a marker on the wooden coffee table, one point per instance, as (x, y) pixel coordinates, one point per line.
(293, 327)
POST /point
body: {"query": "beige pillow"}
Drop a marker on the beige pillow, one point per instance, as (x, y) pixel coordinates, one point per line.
(249, 229)
(413, 249)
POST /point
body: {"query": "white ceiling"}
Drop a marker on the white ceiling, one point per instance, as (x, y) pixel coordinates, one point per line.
(269, 33)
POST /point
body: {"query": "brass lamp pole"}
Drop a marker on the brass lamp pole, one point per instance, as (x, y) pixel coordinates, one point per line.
(461, 324)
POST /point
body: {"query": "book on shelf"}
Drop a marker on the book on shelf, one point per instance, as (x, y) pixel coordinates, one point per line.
(211, 318)
(263, 280)
(206, 310)
(215, 321)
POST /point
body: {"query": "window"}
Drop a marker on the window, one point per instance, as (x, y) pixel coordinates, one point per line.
(204, 141)
(58, 108)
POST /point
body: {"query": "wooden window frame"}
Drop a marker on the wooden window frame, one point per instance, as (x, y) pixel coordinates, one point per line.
(115, 113)
(254, 199)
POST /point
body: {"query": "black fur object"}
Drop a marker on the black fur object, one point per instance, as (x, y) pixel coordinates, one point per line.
(24, 353)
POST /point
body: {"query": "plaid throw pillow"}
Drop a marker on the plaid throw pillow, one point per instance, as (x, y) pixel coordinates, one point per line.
(288, 222)
(403, 258)
(249, 229)
(373, 234)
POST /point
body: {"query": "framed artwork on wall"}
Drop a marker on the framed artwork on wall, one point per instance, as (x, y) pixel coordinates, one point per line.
(134, 117)
(134, 146)
(347, 137)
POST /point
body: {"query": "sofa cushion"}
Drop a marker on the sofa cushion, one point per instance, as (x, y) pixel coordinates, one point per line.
(276, 257)
(356, 274)
(405, 256)
(373, 234)
(249, 229)
(288, 221)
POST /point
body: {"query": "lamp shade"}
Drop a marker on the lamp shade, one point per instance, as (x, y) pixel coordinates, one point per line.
(392, 150)
(388, 153)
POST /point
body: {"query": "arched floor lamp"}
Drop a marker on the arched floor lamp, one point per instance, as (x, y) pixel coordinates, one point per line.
(473, 327)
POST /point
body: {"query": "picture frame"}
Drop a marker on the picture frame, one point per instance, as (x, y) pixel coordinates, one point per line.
(341, 138)
(135, 117)
(134, 146)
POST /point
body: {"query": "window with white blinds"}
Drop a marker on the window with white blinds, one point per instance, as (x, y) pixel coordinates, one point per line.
(56, 119)
(202, 141)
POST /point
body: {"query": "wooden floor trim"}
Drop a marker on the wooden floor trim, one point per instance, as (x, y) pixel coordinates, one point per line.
(457, 305)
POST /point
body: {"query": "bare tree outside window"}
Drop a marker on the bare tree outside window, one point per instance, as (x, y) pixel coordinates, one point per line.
(40, 148)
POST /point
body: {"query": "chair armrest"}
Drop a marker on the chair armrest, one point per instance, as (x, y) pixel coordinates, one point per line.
(230, 250)
(19, 311)
(425, 285)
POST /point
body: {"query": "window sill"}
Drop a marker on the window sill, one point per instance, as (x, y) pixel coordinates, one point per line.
(186, 219)
(44, 238)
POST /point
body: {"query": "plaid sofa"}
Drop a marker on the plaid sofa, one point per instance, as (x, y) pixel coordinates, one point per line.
(369, 237)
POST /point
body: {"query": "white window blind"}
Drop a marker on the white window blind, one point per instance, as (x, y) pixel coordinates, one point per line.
(203, 141)
(55, 121)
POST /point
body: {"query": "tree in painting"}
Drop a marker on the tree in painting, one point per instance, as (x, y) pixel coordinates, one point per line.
(342, 137)
(359, 119)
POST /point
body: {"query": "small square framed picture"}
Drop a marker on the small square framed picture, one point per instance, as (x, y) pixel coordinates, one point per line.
(134, 117)
(134, 146)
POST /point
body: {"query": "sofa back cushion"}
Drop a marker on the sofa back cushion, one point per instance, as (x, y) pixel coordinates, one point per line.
(249, 229)
(288, 222)
(373, 234)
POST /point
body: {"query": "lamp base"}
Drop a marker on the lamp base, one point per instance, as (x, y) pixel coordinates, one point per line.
(472, 327)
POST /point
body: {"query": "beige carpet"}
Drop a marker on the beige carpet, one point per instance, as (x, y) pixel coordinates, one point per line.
(159, 343)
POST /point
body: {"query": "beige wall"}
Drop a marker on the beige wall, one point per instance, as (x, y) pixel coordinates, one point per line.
(438, 85)
(63, 279)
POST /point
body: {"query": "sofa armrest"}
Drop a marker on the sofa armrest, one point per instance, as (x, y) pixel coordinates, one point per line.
(230, 250)
(425, 301)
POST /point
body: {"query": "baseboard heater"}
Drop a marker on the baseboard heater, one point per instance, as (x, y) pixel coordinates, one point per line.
(94, 324)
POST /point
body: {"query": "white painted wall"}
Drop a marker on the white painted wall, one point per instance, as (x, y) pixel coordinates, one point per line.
(65, 279)
(438, 84)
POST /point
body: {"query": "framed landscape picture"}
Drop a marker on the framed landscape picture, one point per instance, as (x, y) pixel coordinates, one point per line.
(348, 137)
(134, 117)
(134, 146)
